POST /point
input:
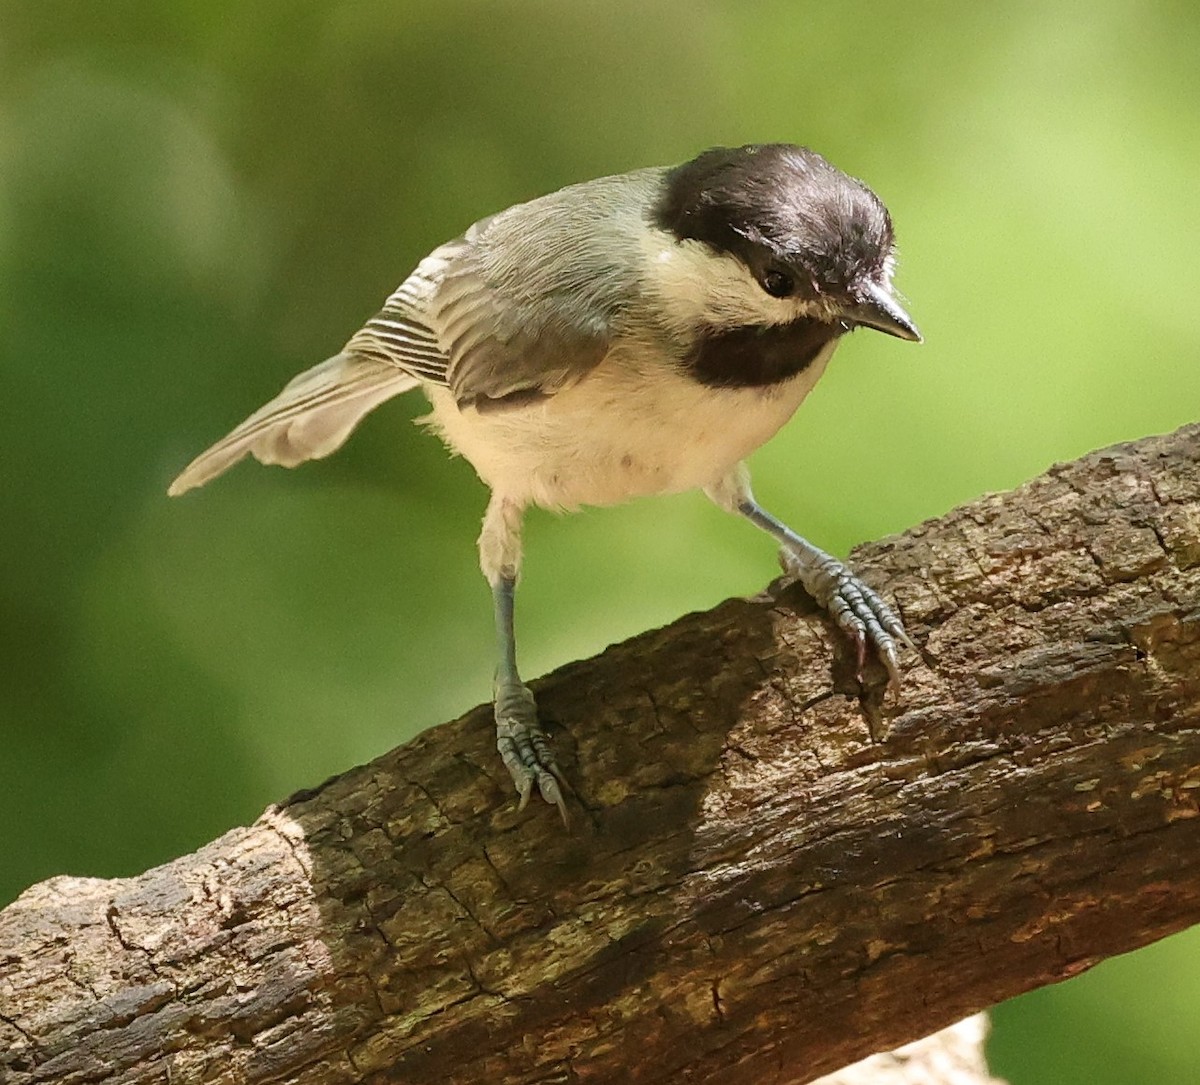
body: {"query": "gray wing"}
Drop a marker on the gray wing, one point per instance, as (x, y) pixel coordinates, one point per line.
(526, 302)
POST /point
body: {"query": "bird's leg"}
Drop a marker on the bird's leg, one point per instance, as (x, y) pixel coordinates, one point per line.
(856, 609)
(524, 747)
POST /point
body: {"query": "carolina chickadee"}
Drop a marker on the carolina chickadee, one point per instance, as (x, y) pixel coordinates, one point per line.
(637, 334)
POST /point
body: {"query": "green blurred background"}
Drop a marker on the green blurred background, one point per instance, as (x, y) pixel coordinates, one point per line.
(200, 198)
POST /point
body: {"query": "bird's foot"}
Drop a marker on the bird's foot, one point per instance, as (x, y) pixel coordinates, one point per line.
(525, 748)
(856, 609)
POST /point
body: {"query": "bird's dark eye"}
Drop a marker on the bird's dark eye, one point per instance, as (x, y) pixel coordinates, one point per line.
(777, 282)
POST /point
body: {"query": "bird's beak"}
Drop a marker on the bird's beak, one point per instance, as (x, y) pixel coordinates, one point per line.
(876, 308)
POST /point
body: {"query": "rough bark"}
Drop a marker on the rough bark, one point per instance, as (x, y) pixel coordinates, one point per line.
(755, 888)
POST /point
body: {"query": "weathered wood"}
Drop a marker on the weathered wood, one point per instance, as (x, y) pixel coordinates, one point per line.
(754, 890)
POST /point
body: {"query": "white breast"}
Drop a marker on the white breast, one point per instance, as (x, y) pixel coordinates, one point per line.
(628, 429)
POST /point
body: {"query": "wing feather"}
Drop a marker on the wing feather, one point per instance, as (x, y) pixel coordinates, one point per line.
(526, 302)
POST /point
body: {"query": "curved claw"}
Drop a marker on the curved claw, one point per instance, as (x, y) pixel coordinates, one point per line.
(524, 787)
(548, 781)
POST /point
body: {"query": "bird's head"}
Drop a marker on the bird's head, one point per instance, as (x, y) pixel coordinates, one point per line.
(770, 234)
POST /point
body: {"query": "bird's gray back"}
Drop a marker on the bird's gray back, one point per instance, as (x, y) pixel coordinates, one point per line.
(577, 247)
(528, 300)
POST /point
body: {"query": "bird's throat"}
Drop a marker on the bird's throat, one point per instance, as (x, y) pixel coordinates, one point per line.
(756, 356)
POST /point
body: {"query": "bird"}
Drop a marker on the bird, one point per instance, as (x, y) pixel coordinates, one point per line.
(629, 335)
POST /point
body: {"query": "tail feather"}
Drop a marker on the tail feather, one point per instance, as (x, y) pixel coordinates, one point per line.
(309, 419)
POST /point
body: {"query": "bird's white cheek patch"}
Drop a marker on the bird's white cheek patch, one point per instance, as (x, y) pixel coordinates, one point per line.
(694, 287)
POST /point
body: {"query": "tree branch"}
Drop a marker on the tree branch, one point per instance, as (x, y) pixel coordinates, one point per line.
(755, 889)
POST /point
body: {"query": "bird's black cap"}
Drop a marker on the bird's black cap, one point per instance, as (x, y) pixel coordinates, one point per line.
(776, 203)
